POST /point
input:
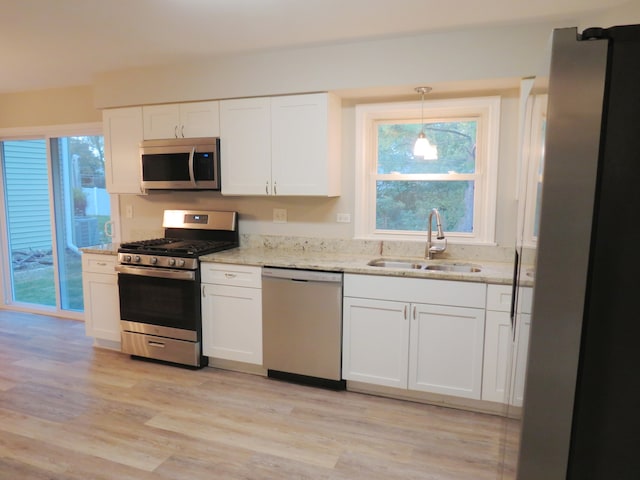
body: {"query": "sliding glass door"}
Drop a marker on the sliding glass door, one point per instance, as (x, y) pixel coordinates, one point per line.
(55, 203)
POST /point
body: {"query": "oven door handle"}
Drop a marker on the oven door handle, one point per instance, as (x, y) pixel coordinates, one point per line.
(157, 272)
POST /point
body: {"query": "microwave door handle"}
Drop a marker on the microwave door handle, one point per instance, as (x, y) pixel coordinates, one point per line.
(191, 174)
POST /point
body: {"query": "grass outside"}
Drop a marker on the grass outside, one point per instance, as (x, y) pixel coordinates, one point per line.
(36, 285)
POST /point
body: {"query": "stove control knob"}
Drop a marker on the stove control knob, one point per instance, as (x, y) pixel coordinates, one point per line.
(153, 260)
(181, 262)
(127, 258)
(137, 259)
(172, 262)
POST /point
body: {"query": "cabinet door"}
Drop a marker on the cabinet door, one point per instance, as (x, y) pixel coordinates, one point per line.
(498, 344)
(375, 341)
(522, 349)
(122, 137)
(101, 305)
(446, 350)
(200, 119)
(161, 121)
(232, 323)
(300, 144)
(245, 144)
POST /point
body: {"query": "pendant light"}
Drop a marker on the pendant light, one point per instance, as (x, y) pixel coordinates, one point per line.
(422, 147)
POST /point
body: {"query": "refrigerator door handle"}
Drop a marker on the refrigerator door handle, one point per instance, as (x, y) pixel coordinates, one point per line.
(514, 293)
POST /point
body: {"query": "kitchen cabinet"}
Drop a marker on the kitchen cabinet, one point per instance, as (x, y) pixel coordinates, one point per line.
(123, 133)
(232, 312)
(502, 349)
(288, 145)
(420, 334)
(101, 299)
(183, 120)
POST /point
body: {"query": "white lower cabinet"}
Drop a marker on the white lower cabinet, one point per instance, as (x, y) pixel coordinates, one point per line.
(232, 312)
(419, 334)
(101, 298)
(505, 354)
(375, 336)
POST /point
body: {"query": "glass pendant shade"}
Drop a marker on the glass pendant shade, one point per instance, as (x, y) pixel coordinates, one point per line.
(424, 149)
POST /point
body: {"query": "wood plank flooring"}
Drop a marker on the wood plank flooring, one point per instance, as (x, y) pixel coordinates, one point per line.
(69, 411)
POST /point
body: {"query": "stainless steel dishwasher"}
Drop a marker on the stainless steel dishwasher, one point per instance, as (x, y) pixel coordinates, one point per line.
(302, 326)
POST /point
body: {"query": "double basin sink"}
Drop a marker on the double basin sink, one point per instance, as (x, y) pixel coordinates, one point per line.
(424, 265)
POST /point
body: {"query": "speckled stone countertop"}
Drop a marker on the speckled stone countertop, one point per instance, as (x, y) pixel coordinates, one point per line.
(353, 257)
(490, 272)
(102, 249)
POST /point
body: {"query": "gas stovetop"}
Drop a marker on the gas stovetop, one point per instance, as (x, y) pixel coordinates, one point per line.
(176, 247)
(189, 234)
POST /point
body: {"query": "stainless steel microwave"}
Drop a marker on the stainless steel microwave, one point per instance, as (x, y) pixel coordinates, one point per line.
(181, 164)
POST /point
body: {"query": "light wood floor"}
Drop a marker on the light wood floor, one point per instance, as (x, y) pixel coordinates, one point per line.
(70, 411)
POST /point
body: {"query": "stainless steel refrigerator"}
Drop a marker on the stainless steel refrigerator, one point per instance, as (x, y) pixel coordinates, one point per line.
(581, 416)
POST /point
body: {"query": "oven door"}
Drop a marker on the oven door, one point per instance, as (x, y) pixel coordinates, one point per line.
(159, 301)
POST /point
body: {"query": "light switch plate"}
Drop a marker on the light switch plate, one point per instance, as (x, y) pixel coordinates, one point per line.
(343, 218)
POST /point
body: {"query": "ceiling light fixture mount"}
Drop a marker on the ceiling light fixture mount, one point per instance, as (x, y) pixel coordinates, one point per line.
(422, 147)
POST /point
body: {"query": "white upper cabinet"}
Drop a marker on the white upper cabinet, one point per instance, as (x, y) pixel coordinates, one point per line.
(245, 146)
(184, 120)
(287, 145)
(122, 136)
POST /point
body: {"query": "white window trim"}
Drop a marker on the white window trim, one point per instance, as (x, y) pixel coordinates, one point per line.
(533, 153)
(487, 108)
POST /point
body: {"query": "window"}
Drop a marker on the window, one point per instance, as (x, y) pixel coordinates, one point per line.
(533, 160)
(51, 211)
(395, 190)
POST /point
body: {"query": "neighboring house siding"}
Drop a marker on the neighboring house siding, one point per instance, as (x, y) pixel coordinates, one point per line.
(27, 191)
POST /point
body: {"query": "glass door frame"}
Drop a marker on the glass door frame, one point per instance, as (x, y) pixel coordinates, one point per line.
(47, 133)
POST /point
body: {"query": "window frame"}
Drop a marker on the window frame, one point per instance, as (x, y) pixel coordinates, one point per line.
(532, 164)
(485, 109)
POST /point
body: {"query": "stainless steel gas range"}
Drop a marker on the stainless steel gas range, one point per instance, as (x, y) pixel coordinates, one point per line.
(159, 285)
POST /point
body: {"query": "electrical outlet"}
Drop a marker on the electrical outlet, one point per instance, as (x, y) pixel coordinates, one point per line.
(129, 211)
(343, 218)
(279, 215)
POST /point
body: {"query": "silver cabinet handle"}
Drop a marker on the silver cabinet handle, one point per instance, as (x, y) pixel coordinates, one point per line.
(275, 188)
(405, 312)
(182, 131)
(151, 343)
(266, 188)
(230, 275)
(414, 312)
(175, 131)
(102, 264)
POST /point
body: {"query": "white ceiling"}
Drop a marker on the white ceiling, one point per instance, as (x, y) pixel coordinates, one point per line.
(56, 43)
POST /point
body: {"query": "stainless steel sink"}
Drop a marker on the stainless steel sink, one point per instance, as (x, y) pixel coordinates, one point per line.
(423, 265)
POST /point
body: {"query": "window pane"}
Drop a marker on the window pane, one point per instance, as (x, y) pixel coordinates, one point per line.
(402, 205)
(456, 143)
(81, 205)
(26, 186)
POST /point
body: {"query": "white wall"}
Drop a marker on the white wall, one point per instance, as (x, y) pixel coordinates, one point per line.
(485, 61)
(435, 58)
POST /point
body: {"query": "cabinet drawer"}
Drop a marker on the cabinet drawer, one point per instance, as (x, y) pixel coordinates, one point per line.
(236, 275)
(416, 290)
(99, 263)
(499, 297)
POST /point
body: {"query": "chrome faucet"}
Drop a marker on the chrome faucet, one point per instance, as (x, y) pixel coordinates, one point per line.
(431, 249)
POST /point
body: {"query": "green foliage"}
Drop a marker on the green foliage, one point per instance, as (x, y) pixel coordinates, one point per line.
(405, 203)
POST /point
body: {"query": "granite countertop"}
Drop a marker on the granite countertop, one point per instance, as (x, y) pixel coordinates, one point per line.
(490, 272)
(102, 249)
(500, 273)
